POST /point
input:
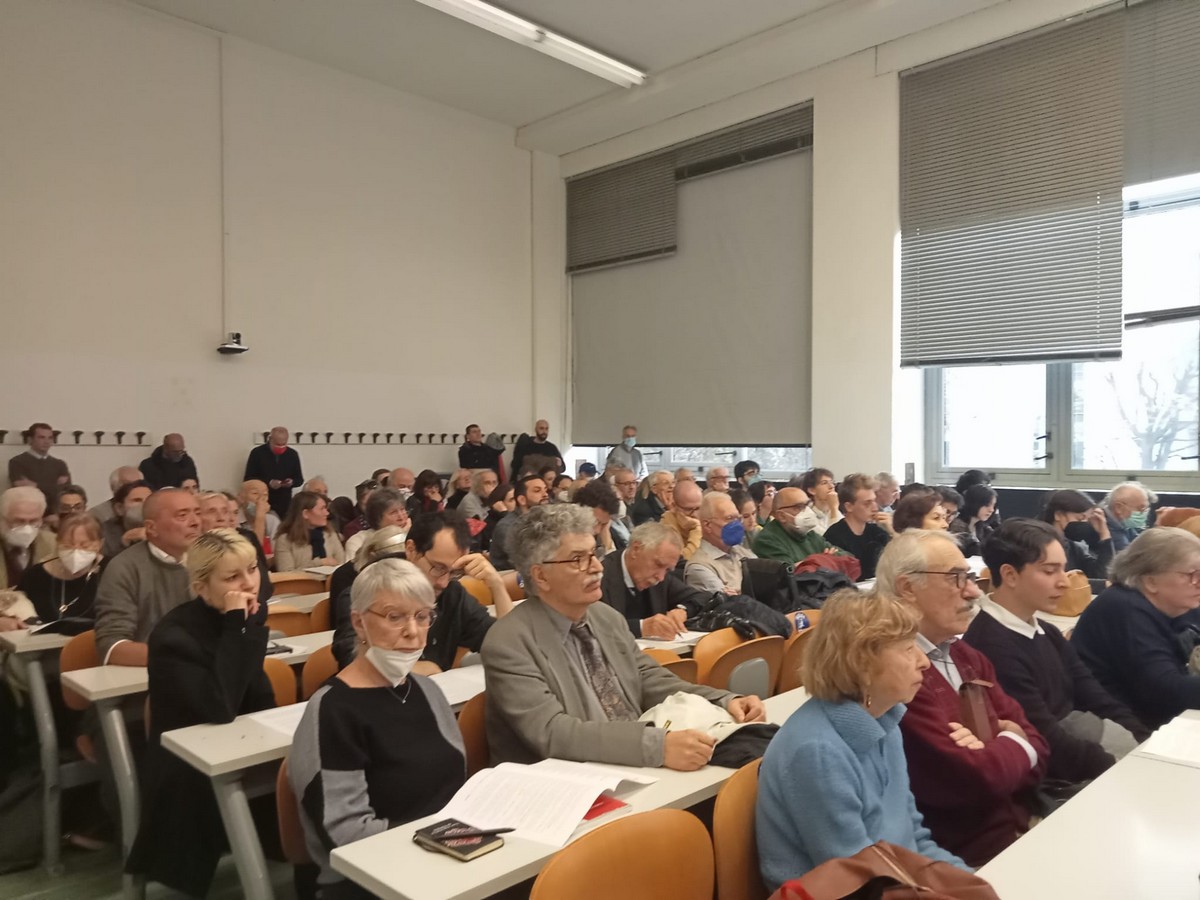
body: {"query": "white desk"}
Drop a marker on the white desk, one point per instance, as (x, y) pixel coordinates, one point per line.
(1131, 833)
(1062, 623)
(304, 646)
(391, 866)
(303, 602)
(33, 650)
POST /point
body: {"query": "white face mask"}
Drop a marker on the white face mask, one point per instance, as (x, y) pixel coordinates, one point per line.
(134, 516)
(75, 561)
(564, 496)
(21, 537)
(805, 521)
(405, 493)
(394, 665)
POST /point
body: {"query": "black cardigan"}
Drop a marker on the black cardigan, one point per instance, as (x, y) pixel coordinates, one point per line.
(205, 667)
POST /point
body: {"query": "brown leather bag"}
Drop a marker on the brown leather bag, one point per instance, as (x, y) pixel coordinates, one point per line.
(974, 710)
(888, 872)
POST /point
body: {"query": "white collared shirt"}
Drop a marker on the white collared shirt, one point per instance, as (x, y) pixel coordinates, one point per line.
(164, 556)
(625, 572)
(1009, 619)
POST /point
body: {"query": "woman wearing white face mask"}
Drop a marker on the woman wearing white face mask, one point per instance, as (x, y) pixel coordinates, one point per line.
(65, 587)
(384, 737)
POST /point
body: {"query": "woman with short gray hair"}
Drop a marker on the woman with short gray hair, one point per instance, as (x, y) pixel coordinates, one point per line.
(378, 745)
(1137, 637)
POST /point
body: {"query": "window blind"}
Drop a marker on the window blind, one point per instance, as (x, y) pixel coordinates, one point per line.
(1011, 178)
(1162, 91)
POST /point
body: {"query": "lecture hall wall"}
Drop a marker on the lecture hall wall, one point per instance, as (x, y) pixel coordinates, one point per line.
(378, 250)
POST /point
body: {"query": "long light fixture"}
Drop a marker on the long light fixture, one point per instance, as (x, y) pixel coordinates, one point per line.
(530, 34)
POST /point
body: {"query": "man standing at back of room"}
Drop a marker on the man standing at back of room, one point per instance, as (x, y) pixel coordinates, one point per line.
(35, 467)
(475, 454)
(626, 455)
(278, 466)
(538, 445)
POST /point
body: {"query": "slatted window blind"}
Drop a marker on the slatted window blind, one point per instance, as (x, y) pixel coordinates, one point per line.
(1011, 178)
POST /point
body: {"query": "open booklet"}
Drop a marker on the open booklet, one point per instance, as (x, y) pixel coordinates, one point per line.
(1178, 742)
(544, 802)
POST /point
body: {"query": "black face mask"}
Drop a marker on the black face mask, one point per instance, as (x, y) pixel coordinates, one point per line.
(1082, 531)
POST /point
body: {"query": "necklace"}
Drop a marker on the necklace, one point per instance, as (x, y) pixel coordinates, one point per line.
(407, 691)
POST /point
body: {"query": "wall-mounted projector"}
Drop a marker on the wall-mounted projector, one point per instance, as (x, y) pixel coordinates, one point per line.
(233, 346)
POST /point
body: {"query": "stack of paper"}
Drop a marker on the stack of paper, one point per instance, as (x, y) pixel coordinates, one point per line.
(283, 719)
(1178, 742)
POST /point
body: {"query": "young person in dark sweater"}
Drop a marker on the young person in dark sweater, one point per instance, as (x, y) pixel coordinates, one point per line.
(864, 531)
(1087, 729)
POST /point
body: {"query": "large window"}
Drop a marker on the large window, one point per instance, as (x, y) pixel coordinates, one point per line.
(1097, 421)
(777, 462)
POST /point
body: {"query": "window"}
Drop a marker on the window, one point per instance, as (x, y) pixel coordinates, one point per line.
(1095, 422)
(777, 462)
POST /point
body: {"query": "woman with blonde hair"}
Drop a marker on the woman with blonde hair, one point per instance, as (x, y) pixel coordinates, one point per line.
(205, 662)
(834, 779)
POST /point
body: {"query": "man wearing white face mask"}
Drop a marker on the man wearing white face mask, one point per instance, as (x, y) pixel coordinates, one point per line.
(792, 533)
(626, 455)
(23, 540)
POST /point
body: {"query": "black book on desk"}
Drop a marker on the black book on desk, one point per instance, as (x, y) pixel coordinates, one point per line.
(441, 837)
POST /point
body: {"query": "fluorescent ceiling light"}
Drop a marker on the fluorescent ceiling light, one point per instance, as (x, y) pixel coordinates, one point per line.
(530, 34)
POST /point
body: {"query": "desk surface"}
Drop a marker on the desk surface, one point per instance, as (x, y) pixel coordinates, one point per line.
(1130, 833)
(302, 602)
(106, 682)
(21, 641)
(393, 867)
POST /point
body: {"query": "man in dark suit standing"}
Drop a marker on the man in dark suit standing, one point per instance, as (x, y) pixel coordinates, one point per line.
(278, 466)
(640, 583)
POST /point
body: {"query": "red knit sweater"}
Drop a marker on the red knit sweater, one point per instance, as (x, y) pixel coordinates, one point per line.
(969, 798)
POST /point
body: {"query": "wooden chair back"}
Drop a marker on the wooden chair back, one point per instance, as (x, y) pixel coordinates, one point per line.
(297, 583)
(289, 620)
(474, 733)
(684, 668)
(318, 669)
(283, 681)
(318, 619)
(78, 653)
(1076, 597)
(793, 658)
(661, 656)
(734, 845)
(769, 649)
(710, 647)
(627, 858)
(476, 589)
(1172, 517)
(291, 832)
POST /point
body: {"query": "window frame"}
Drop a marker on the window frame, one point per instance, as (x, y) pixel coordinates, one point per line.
(659, 456)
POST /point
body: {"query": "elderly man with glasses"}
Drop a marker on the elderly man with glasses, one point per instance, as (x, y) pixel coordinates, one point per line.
(716, 566)
(565, 678)
(971, 779)
(792, 533)
(683, 516)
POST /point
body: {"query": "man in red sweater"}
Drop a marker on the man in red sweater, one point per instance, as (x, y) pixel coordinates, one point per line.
(972, 789)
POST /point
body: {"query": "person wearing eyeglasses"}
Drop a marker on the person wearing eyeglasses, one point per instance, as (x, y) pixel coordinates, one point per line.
(716, 566)
(717, 479)
(970, 785)
(565, 678)
(792, 534)
(378, 744)
(683, 517)
(1138, 636)
(921, 509)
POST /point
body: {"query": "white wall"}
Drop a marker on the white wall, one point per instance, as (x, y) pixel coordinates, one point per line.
(378, 249)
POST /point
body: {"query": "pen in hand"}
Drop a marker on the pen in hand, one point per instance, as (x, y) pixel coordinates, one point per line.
(667, 725)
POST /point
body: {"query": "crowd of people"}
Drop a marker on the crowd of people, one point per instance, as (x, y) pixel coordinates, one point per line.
(941, 719)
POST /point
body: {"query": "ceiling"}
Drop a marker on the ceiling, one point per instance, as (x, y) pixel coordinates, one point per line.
(409, 46)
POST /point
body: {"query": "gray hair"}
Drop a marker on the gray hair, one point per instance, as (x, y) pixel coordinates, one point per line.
(652, 535)
(1154, 552)
(115, 480)
(537, 535)
(477, 477)
(1124, 486)
(22, 494)
(884, 478)
(379, 503)
(381, 543)
(390, 576)
(906, 555)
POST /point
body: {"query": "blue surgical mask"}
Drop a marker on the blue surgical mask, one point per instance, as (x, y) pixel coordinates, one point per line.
(629, 442)
(733, 533)
(753, 479)
(1137, 520)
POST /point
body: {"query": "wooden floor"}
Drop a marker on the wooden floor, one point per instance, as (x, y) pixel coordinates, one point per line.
(98, 875)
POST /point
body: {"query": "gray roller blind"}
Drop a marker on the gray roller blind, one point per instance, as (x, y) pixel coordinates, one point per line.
(1162, 100)
(1011, 177)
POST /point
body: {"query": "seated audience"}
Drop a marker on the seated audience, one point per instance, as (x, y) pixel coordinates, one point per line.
(474, 505)
(378, 745)
(126, 528)
(384, 543)
(587, 471)
(660, 499)
(681, 518)
(500, 502)
(969, 478)
(1077, 518)
(716, 566)
(71, 500)
(219, 510)
(859, 532)
(402, 480)
(256, 515)
(362, 492)
(763, 493)
(104, 511)
(191, 485)
(887, 491)
(748, 510)
(427, 494)
(746, 473)
(1126, 508)
(147, 581)
(920, 509)
(565, 678)
(169, 464)
(1136, 636)
(625, 483)
(970, 787)
(715, 479)
(65, 586)
(475, 454)
(563, 487)
(834, 780)
(974, 519)
(458, 486)
(683, 473)
(205, 665)
(528, 492)
(818, 486)
(385, 507)
(1087, 729)
(952, 502)
(626, 455)
(305, 538)
(792, 534)
(642, 585)
(601, 499)
(23, 539)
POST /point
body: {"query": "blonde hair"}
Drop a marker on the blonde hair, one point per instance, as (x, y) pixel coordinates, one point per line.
(854, 629)
(211, 547)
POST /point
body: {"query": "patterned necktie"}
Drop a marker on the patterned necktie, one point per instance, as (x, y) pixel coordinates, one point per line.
(602, 679)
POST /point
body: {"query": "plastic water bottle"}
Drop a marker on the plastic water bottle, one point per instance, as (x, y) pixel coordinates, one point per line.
(801, 621)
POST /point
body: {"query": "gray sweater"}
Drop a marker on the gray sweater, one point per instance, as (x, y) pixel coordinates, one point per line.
(136, 590)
